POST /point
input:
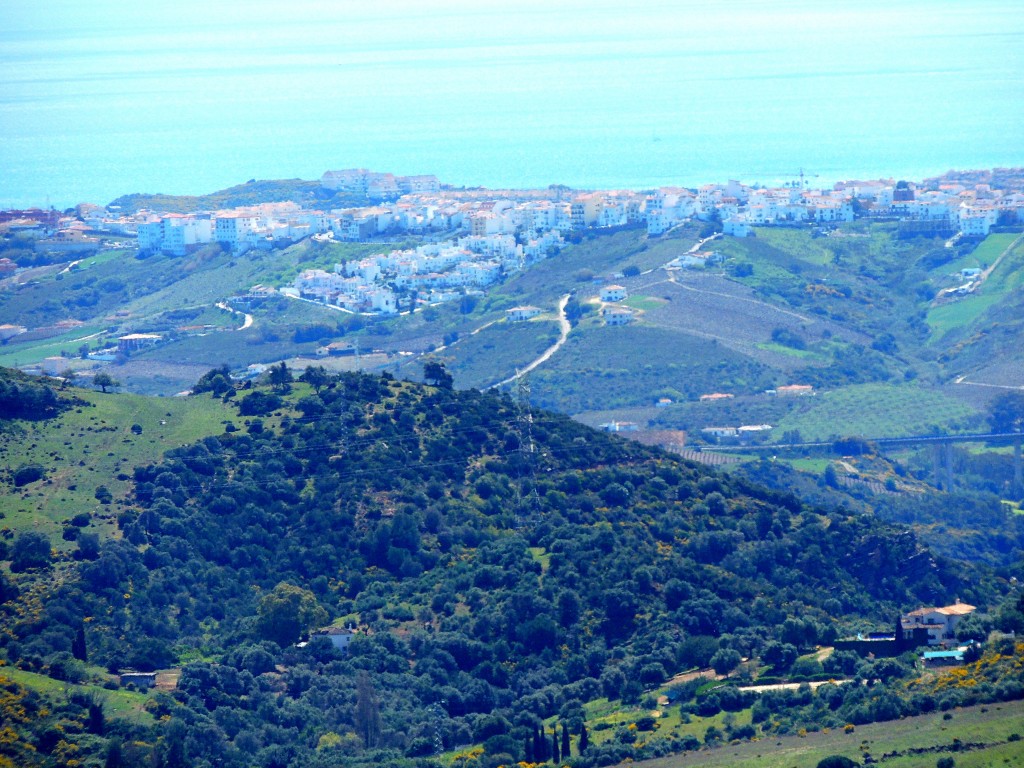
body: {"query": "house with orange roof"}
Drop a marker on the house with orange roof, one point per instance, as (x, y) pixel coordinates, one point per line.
(940, 623)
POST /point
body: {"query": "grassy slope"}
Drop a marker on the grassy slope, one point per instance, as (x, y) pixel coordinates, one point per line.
(1007, 278)
(30, 353)
(90, 446)
(497, 351)
(128, 705)
(991, 725)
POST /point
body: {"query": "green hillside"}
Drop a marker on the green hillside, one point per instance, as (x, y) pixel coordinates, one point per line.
(508, 572)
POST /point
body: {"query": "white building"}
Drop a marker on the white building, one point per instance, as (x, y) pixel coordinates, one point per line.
(617, 316)
(233, 229)
(519, 314)
(613, 293)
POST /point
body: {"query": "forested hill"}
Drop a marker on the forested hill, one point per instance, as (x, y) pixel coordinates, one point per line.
(501, 567)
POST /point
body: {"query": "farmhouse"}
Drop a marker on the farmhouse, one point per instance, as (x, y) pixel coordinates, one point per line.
(619, 426)
(9, 331)
(336, 349)
(140, 680)
(794, 390)
(715, 396)
(719, 432)
(519, 314)
(51, 366)
(617, 316)
(940, 623)
(134, 341)
(613, 293)
(338, 636)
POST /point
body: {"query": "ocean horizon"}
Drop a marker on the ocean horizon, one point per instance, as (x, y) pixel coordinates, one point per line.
(108, 99)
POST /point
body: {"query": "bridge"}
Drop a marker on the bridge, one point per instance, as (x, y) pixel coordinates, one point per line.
(973, 437)
(942, 456)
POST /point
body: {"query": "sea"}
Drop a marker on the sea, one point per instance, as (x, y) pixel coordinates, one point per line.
(110, 97)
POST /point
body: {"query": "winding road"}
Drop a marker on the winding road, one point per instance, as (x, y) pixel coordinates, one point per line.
(563, 326)
(227, 308)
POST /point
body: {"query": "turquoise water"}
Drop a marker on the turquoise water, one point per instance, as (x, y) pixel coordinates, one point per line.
(104, 98)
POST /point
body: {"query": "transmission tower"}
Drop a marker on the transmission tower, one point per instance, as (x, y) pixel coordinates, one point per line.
(527, 503)
(437, 714)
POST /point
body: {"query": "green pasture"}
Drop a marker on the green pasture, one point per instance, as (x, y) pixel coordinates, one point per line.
(1007, 278)
(799, 242)
(93, 445)
(982, 256)
(127, 705)
(991, 724)
(32, 352)
(644, 303)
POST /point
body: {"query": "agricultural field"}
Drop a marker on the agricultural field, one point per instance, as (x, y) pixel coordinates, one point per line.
(714, 307)
(602, 368)
(878, 410)
(992, 725)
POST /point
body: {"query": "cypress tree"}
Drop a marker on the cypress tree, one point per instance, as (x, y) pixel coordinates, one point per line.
(584, 741)
(78, 648)
(540, 747)
(528, 750)
(554, 745)
(565, 742)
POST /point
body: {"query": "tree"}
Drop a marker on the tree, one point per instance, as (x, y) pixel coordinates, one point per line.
(213, 380)
(115, 758)
(837, 761)
(779, 655)
(316, 376)
(436, 374)
(725, 660)
(555, 755)
(78, 647)
(573, 310)
(287, 613)
(540, 745)
(280, 377)
(104, 380)
(584, 741)
(565, 742)
(367, 715)
(31, 550)
(8, 589)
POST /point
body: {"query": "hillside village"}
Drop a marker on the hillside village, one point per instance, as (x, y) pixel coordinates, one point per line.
(498, 232)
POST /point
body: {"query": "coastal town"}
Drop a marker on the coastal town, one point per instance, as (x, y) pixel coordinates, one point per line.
(472, 238)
